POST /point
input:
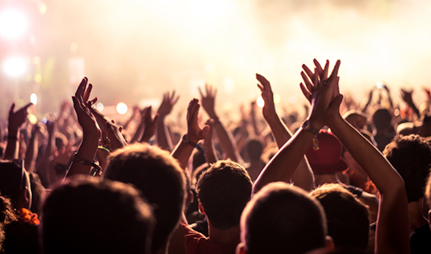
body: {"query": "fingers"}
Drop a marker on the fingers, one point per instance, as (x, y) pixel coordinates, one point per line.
(306, 93)
(87, 92)
(262, 80)
(12, 107)
(325, 71)
(307, 82)
(200, 92)
(335, 70)
(81, 88)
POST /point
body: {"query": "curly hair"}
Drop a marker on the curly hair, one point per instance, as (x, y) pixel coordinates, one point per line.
(411, 157)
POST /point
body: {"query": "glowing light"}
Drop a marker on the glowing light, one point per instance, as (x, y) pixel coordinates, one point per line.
(36, 60)
(32, 118)
(260, 102)
(276, 98)
(122, 108)
(33, 98)
(42, 8)
(12, 24)
(15, 66)
(74, 46)
(100, 107)
(37, 78)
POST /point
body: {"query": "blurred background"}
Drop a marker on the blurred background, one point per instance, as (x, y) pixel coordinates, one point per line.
(133, 51)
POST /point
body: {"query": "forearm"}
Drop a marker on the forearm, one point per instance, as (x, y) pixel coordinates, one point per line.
(182, 153)
(87, 151)
(31, 153)
(226, 140)
(138, 133)
(283, 165)
(11, 151)
(303, 176)
(163, 139)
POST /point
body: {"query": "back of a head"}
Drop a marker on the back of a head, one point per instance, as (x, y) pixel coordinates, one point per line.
(11, 179)
(347, 218)
(382, 119)
(224, 190)
(254, 149)
(282, 219)
(88, 215)
(411, 157)
(160, 179)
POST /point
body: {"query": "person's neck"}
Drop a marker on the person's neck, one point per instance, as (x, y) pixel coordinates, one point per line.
(222, 236)
(321, 179)
(416, 216)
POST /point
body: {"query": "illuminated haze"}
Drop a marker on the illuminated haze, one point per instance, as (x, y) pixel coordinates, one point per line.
(136, 50)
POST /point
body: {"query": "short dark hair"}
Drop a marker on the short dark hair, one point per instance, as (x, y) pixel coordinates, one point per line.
(382, 118)
(224, 190)
(88, 215)
(347, 217)
(160, 179)
(282, 219)
(411, 157)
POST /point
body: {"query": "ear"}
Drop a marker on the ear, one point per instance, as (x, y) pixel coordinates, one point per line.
(240, 249)
(329, 244)
(201, 209)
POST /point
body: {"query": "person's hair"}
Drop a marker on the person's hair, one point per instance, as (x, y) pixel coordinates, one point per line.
(254, 149)
(411, 157)
(224, 190)
(160, 179)
(382, 118)
(90, 215)
(6, 216)
(13, 180)
(282, 219)
(347, 218)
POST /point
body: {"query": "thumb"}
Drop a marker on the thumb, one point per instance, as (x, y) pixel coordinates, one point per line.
(336, 102)
(12, 107)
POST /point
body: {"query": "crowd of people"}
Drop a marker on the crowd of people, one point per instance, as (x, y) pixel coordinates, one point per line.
(345, 179)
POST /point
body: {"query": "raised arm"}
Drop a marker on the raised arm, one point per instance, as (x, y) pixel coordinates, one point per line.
(163, 138)
(150, 125)
(392, 233)
(303, 176)
(91, 133)
(225, 138)
(407, 98)
(15, 120)
(189, 142)
(319, 91)
(32, 148)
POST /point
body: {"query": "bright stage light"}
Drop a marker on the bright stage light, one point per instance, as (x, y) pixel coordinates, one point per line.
(260, 102)
(12, 24)
(15, 66)
(100, 107)
(33, 98)
(121, 108)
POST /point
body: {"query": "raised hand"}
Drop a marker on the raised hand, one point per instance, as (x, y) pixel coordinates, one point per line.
(208, 100)
(194, 131)
(168, 102)
(17, 118)
(321, 91)
(150, 124)
(407, 96)
(82, 108)
(268, 109)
